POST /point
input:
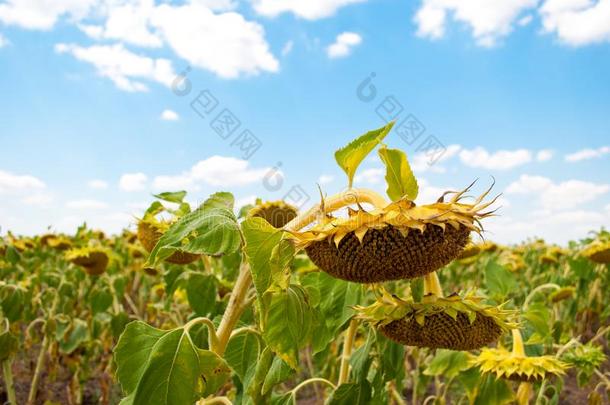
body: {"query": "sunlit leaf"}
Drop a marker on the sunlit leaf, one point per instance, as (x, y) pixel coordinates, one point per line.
(352, 394)
(350, 156)
(174, 197)
(399, 176)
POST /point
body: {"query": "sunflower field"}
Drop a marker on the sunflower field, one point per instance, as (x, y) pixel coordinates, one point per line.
(362, 299)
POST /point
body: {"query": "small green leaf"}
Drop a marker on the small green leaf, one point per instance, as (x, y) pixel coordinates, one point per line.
(12, 255)
(286, 326)
(211, 229)
(352, 394)
(173, 197)
(9, 344)
(242, 354)
(447, 363)
(201, 292)
(278, 373)
(79, 333)
(499, 281)
(350, 156)
(12, 301)
(399, 176)
(101, 300)
(417, 289)
(261, 238)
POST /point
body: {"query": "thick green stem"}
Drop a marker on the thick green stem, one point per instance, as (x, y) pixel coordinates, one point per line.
(518, 348)
(8, 381)
(348, 345)
(38, 372)
(432, 285)
(336, 202)
(234, 309)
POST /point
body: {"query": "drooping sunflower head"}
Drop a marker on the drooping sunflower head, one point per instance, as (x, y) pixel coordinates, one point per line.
(510, 366)
(562, 294)
(93, 259)
(57, 242)
(150, 230)
(598, 251)
(454, 322)
(277, 213)
(399, 241)
(512, 261)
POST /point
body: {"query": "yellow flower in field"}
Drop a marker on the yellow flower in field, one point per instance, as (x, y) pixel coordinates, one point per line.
(400, 241)
(93, 259)
(598, 251)
(516, 365)
(277, 213)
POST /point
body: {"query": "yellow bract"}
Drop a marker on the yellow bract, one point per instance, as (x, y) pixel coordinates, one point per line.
(404, 215)
(507, 365)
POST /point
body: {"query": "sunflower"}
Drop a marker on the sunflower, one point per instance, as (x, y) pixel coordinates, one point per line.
(277, 213)
(93, 259)
(471, 250)
(562, 294)
(516, 365)
(150, 230)
(598, 251)
(454, 322)
(56, 242)
(398, 241)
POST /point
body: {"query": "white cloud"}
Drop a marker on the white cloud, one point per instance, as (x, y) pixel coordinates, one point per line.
(133, 182)
(577, 22)
(169, 115)
(226, 44)
(215, 171)
(308, 9)
(558, 196)
(489, 20)
(421, 162)
(242, 202)
(525, 20)
(97, 184)
(42, 14)
(371, 176)
(127, 22)
(86, 205)
(500, 160)
(343, 45)
(587, 154)
(544, 155)
(287, 48)
(122, 66)
(10, 182)
(3, 41)
(325, 179)
(42, 200)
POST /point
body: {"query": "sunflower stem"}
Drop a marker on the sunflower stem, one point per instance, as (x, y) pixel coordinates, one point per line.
(234, 309)
(432, 285)
(334, 203)
(518, 348)
(348, 345)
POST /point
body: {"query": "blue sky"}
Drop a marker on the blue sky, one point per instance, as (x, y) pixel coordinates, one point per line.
(92, 123)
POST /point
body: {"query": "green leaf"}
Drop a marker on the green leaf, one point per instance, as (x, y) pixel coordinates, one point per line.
(12, 255)
(242, 354)
(494, 391)
(278, 373)
(261, 238)
(9, 344)
(361, 359)
(101, 300)
(118, 323)
(447, 363)
(287, 323)
(211, 229)
(163, 367)
(399, 176)
(350, 156)
(79, 333)
(417, 289)
(352, 394)
(173, 197)
(201, 292)
(499, 281)
(12, 301)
